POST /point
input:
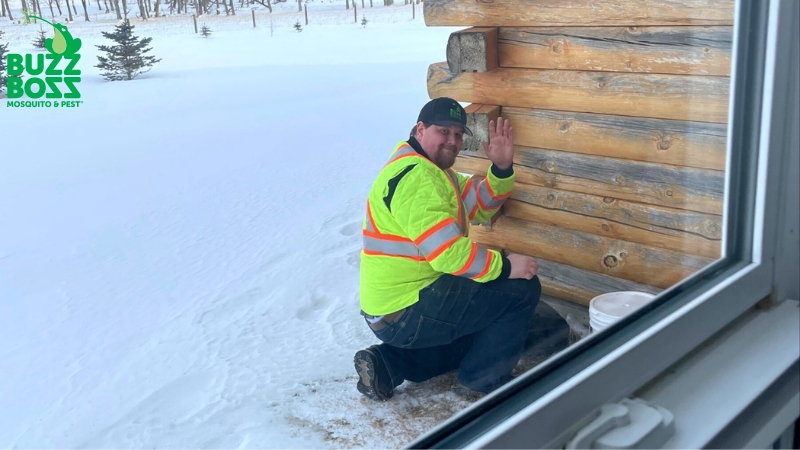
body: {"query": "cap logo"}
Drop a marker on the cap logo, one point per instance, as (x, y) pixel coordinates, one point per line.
(455, 113)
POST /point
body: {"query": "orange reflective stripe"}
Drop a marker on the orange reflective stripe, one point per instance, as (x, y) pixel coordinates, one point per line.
(370, 221)
(472, 253)
(462, 215)
(386, 237)
(487, 198)
(489, 257)
(474, 211)
(402, 151)
(467, 189)
(432, 230)
(438, 238)
(433, 255)
(377, 253)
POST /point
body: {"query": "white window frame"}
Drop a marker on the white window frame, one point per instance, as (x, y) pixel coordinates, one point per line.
(543, 407)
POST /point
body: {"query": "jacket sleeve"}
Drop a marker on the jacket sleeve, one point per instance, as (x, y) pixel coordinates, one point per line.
(483, 198)
(426, 211)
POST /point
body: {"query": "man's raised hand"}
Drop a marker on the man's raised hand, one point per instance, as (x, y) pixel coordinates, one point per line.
(500, 149)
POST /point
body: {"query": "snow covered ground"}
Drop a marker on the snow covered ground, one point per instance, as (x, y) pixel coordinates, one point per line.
(179, 255)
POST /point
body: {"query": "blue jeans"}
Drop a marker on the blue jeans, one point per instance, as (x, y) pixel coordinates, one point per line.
(477, 328)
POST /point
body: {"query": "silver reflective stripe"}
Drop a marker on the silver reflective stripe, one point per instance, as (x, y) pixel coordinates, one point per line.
(439, 238)
(462, 220)
(472, 198)
(478, 264)
(486, 198)
(405, 151)
(369, 225)
(392, 248)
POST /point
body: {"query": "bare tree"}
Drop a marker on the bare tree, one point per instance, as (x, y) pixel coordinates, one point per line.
(69, 11)
(58, 5)
(85, 12)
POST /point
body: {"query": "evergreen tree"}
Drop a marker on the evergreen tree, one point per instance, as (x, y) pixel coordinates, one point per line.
(205, 31)
(298, 27)
(3, 75)
(39, 41)
(127, 59)
(364, 21)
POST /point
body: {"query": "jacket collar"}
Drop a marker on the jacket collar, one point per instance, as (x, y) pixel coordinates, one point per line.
(418, 148)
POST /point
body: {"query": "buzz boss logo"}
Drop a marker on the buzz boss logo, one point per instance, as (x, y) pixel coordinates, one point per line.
(31, 76)
(455, 112)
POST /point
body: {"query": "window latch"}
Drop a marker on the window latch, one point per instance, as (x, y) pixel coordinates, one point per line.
(631, 423)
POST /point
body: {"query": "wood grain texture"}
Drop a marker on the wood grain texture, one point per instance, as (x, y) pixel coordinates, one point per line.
(549, 13)
(472, 50)
(681, 97)
(655, 184)
(581, 286)
(674, 142)
(670, 229)
(694, 50)
(612, 257)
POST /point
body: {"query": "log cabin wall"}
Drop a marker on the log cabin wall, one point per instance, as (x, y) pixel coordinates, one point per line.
(619, 110)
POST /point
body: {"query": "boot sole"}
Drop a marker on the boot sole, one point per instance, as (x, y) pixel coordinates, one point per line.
(364, 362)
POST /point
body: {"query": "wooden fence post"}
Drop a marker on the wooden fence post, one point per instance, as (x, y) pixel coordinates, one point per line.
(194, 19)
(355, 12)
(413, 10)
(306, 9)
(299, 5)
(347, 4)
(362, 4)
(254, 17)
(269, 5)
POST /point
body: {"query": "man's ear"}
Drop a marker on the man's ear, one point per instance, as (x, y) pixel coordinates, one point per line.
(420, 130)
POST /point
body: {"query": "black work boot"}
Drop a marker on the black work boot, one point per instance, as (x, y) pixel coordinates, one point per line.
(374, 379)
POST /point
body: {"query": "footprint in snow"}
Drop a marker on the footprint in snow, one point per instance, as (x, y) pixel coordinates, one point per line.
(317, 310)
(351, 229)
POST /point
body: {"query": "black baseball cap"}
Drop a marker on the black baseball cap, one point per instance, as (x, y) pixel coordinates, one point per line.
(444, 111)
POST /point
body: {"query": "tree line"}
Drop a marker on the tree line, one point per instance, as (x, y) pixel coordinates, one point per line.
(146, 8)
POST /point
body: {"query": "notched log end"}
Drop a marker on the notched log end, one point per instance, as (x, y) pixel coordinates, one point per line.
(478, 118)
(472, 50)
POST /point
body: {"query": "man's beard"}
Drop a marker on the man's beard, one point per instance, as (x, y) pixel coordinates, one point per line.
(445, 158)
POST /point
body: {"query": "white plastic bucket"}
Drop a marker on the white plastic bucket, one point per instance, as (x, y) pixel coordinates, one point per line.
(607, 309)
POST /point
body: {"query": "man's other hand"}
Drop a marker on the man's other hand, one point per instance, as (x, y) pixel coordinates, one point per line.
(522, 266)
(500, 149)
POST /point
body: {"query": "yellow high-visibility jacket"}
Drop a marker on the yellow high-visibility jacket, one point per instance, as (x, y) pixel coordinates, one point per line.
(416, 229)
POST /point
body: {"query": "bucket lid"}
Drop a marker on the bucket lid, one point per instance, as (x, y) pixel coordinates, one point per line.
(620, 304)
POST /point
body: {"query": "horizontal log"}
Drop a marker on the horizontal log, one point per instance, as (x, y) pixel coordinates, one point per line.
(549, 13)
(472, 50)
(669, 50)
(612, 257)
(581, 286)
(478, 118)
(655, 184)
(675, 142)
(671, 229)
(681, 97)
